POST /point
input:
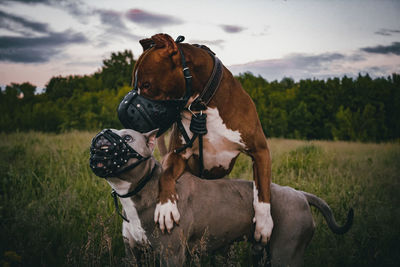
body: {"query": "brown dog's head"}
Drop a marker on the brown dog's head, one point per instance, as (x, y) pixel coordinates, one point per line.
(159, 69)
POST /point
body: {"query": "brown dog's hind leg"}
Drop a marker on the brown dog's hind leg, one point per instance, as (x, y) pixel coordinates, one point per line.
(166, 212)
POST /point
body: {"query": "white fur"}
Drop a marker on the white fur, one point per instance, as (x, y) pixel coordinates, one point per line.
(133, 230)
(134, 227)
(262, 218)
(120, 186)
(165, 214)
(221, 144)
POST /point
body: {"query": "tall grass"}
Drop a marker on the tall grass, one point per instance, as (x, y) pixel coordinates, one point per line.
(55, 212)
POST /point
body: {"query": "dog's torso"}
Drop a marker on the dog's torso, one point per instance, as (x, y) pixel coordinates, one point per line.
(218, 213)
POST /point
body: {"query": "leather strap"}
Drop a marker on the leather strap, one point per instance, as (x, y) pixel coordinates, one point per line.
(213, 83)
(137, 189)
(201, 102)
(185, 69)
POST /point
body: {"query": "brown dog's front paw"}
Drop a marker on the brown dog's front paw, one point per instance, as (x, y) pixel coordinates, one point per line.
(166, 214)
(264, 223)
(262, 218)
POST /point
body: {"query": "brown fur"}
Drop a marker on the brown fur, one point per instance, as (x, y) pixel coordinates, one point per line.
(160, 77)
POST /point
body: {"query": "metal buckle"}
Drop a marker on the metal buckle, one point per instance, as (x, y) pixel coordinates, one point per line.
(184, 75)
(201, 112)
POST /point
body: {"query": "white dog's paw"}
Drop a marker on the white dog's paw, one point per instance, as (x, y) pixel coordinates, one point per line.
(166, 214)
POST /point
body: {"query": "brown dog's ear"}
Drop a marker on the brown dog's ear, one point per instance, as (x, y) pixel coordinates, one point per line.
(151, 139)
(146, 43)
(165, 41)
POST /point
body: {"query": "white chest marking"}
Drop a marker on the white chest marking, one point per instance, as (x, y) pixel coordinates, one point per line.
(220, 144)
(133, 230)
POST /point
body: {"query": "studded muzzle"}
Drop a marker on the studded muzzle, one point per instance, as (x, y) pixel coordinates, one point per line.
(110, 154)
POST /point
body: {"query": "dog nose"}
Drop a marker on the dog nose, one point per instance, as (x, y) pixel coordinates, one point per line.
(102, 143)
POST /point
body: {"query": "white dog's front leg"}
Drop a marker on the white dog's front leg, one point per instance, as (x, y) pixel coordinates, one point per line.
(262, 218)
(166, 214)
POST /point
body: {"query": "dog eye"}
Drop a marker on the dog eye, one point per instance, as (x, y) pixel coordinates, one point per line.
(146, 85)
(128, 138)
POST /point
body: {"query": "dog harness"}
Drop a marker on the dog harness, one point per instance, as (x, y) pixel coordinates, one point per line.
(143, 115)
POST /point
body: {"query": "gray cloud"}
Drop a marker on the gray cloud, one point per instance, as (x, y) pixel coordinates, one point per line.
(232, 28)
(21, 25)
(28, 1)
(36, 49)
(298, 66)
(218, 42)
(355, 57)
(114, 25)
(149, 19)
(29, 48)
(313, 61)
(394, 48)
(387, 32)
(74, 7)
(111, 18)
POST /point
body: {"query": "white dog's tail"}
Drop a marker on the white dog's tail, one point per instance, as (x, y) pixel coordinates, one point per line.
(322, 206)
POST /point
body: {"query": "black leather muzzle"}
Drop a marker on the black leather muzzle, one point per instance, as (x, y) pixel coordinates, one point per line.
(144, 115)
(109, 155)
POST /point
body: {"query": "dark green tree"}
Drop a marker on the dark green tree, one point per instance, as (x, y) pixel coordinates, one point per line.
(117, 71)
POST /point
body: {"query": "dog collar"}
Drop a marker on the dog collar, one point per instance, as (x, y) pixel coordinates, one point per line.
(137, 189)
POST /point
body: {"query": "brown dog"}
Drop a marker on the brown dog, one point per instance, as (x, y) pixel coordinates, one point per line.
(232, 123)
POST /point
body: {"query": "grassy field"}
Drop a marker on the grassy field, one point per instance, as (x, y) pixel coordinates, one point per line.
(55, 212)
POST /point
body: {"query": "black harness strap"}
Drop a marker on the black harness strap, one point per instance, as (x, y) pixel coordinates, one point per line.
(213, 83)
(137, 189)
(185, 69)
(201, 102)
(198, 124)
(181, 128)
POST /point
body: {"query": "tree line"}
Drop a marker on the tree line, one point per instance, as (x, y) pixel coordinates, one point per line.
(360, 109)
(357, 109)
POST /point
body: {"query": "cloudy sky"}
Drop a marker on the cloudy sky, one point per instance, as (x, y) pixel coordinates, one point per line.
(274, 38)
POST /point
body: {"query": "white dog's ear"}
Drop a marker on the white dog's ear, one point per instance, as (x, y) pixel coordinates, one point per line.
(151, 139)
